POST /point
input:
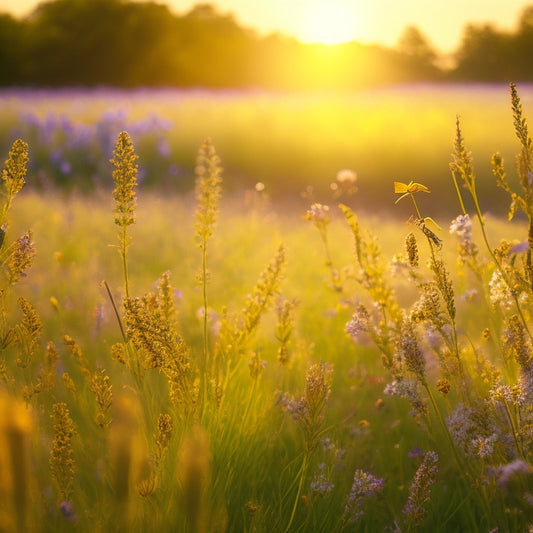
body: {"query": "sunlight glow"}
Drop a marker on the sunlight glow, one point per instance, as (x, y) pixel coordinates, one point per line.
(329, 23)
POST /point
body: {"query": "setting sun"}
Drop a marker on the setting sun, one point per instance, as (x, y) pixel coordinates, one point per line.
(329, 23)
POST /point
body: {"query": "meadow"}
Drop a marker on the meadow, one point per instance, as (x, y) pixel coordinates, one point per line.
(287, 141)
(211, 351)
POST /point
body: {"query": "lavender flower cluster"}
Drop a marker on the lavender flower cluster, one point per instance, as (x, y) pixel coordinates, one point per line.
(67, 152)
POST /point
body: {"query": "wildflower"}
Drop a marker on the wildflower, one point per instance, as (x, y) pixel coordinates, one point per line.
(13, 177)
(318, 388)
(20, 257)
(28, 332)
(443, 385)
(99, 385)
(470, 429)
(297, 409)
(462, 228)
(444, 283)
(410, 352)
(69, 384)
(150, 331)
(321, 484)
(208, 182)
(462, 165)
(419, 489)
(125, 179)
(470, 295)
(499, 292)
(344, 182)
(318, 214)
(518, 341)
(67, 511)
(61, 461)
(412, 249)
(484, 446)
(415, 452)
(284, 327)
(346, 175)
(505, 394)
(308, 410)
(506, 474)
(165, 428)
(428, 306)
(407, 389)
(364, 486)
(358, 323)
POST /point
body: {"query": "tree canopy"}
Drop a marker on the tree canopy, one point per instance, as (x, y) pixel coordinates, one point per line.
(129, 44)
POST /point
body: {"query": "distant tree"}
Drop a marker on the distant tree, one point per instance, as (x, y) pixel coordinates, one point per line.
(484, 55)
(523, 46)
(525, 21)
(416, 55)
(413, 43)
(12, 51)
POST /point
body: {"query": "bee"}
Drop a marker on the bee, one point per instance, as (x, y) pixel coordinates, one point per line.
(421, 224)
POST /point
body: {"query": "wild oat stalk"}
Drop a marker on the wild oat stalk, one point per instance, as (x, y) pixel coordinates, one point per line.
(20, 255)
(308, 412)
(28, 332)
(125, 179)
(284, 327)
(236, 331)
(420, 490)
(102, 389)
(208, 188)
(462, 169)
(61, 461)
(13, 178)
(152, 332)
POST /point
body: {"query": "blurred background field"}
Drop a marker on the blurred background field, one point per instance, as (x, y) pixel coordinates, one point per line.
(290, 142)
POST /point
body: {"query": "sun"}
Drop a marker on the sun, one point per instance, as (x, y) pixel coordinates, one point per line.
(329, 22)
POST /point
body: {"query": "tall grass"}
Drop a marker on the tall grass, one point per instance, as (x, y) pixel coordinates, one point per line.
(271, 378)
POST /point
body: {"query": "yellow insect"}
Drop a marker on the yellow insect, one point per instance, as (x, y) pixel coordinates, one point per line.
(406, 189)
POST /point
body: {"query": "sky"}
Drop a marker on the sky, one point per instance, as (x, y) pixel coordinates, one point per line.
(368, 21)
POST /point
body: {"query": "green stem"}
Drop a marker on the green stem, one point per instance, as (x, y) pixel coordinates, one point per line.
(416, 206)
(334, 275)
(124, 254)
(443, 423)
(303, 471)
(519, 449)
(459, 195)
(117, 314)
(497, 263)
(204, 374)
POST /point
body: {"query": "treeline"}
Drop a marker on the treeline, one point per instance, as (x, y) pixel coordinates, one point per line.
(130, 44)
